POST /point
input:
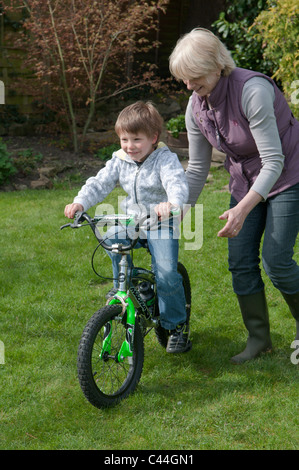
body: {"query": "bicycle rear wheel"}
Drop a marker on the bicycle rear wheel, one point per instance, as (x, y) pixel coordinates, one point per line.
(162, 334)
(103, 377)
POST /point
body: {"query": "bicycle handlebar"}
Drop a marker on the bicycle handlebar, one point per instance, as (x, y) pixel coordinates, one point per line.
(128, 219)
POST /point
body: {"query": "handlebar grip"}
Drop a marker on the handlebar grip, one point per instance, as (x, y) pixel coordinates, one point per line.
(175, 212)
(75, 223)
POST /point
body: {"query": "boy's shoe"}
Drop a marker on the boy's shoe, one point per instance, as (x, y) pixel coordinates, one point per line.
(178, 340)
(111, 293)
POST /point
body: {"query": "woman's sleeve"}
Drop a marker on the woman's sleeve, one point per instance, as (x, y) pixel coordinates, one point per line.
(200, 154)
(257, 103)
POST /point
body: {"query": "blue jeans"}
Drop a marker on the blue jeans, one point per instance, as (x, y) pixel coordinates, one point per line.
(278, 219)
(164, 249)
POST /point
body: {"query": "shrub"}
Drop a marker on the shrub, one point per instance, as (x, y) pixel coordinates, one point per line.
(27, 161)
(105, 153)
(234, 26)
(278, 26)
(7, 168)
(176, 125)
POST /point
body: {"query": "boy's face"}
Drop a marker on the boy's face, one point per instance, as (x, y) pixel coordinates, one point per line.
(137, 146)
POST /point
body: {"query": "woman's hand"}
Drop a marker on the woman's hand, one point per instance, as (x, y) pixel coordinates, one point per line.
(236, 216)
(71, 209)
(234, 223)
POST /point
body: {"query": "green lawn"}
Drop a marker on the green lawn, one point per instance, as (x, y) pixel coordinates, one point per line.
(188, 402)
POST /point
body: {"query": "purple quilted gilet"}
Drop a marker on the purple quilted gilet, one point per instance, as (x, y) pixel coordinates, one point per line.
(226, 128)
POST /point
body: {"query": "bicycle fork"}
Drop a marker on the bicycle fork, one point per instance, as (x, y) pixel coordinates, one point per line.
(126, 349)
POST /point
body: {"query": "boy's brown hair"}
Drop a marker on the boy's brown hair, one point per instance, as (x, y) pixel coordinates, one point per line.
(140, 117)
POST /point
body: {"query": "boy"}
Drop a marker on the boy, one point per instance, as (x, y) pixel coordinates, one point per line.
(151, 175)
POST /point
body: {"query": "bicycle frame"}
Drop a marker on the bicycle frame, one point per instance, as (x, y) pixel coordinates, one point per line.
(126, 295)
(131, 300)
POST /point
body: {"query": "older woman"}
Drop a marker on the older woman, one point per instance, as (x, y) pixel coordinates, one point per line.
(243, 114)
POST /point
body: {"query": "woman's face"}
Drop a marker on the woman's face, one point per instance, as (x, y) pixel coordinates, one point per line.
(203, 86)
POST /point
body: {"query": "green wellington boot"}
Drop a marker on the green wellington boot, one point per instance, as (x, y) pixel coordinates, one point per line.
(256, 319)
(293, 302)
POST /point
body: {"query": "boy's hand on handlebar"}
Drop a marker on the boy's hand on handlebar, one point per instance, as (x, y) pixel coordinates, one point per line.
(163, 210)
(71, 209)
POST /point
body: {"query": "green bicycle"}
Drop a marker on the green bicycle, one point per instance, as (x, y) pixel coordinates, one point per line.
(111, 350)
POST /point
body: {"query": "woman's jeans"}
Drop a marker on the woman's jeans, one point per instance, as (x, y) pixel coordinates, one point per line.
(164, 249)
(278, 219)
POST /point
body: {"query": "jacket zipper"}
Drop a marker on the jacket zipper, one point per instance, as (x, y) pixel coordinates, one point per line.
(135, 184)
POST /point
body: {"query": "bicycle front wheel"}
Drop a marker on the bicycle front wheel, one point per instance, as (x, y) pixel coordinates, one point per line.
(104, 377)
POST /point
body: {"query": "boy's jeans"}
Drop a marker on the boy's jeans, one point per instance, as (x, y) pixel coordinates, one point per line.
(278, 219)
(164, 248)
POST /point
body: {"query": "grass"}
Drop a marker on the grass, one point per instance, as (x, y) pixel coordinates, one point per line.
(197, 401)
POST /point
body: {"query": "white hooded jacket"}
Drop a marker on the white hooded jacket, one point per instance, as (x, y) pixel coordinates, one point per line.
(160, 178)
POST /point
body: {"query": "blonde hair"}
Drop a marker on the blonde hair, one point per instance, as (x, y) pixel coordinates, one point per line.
(199, 53)
(140, 117)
